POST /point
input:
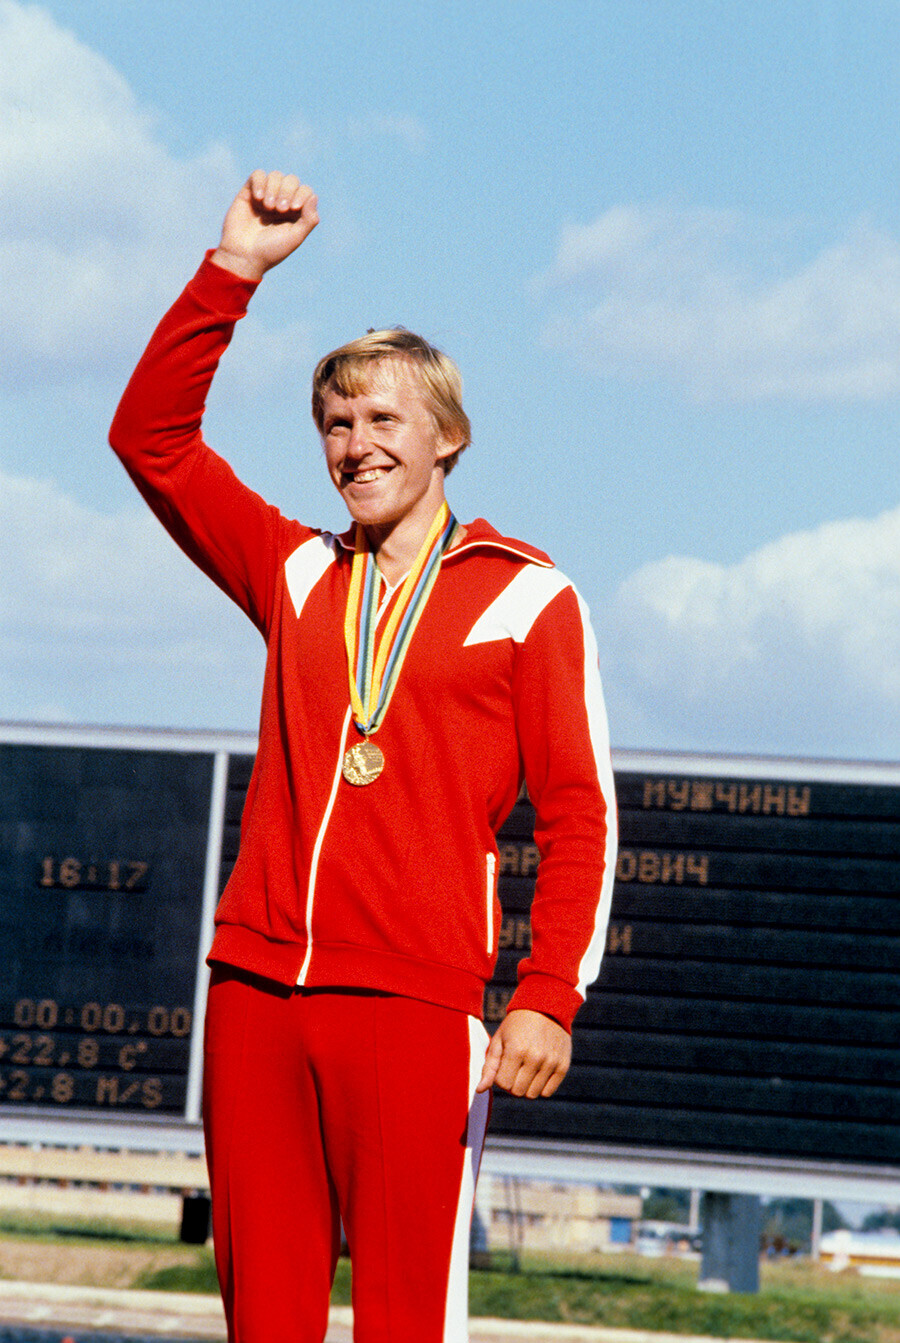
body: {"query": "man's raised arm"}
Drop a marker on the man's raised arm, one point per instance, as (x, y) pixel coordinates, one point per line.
(222, 525)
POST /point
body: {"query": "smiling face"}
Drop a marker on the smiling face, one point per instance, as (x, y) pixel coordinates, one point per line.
(384, 450)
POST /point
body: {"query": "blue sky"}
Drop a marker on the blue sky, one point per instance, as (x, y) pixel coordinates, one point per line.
(661, 239)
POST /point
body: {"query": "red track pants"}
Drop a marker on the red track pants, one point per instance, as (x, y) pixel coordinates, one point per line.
(329, 1106)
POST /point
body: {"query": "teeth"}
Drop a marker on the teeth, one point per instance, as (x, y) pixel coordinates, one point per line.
(372, 473)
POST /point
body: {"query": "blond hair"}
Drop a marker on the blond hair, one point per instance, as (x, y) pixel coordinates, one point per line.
(351, 370)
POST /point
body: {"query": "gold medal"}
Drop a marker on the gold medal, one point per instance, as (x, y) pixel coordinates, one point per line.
(363, 763)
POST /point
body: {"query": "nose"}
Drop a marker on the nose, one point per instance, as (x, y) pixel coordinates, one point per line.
(357, 444)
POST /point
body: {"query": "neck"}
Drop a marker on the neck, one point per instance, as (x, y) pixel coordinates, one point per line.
(394, 557)
(395, 548)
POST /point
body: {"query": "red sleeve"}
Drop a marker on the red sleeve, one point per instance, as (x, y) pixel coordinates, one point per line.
(225, 528)
(564, 739)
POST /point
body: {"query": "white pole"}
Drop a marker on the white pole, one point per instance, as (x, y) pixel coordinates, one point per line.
(816, 1230)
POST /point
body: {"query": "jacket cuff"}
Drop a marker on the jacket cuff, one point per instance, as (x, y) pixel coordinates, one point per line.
(544, 993)
(221, 291)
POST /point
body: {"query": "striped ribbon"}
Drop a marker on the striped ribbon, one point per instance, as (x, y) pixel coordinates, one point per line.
(374, 658)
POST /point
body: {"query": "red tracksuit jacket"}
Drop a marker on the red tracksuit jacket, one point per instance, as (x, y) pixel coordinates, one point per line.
(389, 886)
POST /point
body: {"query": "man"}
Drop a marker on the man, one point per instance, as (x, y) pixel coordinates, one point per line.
(417, 671)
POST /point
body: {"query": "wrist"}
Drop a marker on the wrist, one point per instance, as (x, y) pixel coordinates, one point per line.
(247, 268)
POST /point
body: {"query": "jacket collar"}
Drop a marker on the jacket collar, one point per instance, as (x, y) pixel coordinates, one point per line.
(479, 535)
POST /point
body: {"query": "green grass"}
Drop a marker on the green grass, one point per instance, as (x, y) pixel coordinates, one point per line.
(197, 1277)
(201, 1277)
(69, 1230)
(797, 1303)
(645, 1302)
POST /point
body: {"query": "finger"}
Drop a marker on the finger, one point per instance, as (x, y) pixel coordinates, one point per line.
(532, 1082)
(553, 1082)
(286, 190)
(304, 209)
(545, 1080)
(297, 198)
(272, 189)
(533, 1074)
(287, 193)
(492, 1060)
(546, 1076)
(281, 193)
(268, 189)
(530, 1079)
(256, 183)
(515, 1073)
(308, 205)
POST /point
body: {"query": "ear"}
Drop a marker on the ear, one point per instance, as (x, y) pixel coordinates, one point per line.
(446, 447)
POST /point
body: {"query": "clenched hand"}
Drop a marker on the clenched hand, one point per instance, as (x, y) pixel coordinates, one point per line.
(269, 218)
(529, 1055)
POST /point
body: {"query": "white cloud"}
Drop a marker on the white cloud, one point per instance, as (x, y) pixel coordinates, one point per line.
(796, 649)
(99, 222)
(305, 140)
(103, 620)
(410, 131)
(259, 356)
(313, 141)
(97, 219)
(708, 301)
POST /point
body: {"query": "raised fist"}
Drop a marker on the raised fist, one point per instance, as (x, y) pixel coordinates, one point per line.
(269, 218)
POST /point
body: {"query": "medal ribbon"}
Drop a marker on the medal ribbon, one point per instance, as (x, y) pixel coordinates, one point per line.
(374, 658)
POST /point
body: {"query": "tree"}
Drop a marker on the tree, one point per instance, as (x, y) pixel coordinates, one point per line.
(788, 1222)
(884, 1219)
(667, 1205)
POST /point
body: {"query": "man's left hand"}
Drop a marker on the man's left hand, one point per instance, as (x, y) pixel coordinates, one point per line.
(529, 1055)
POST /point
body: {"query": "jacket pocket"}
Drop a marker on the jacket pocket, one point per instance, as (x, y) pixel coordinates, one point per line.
(490, 896)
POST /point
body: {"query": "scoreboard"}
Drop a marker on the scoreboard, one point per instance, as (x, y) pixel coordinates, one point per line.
(748, 998)
(101, 876)
(747, 1002)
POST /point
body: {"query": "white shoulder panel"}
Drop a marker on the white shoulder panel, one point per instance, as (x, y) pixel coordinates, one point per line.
(512, 614)
(306, 565)
(598, 731)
